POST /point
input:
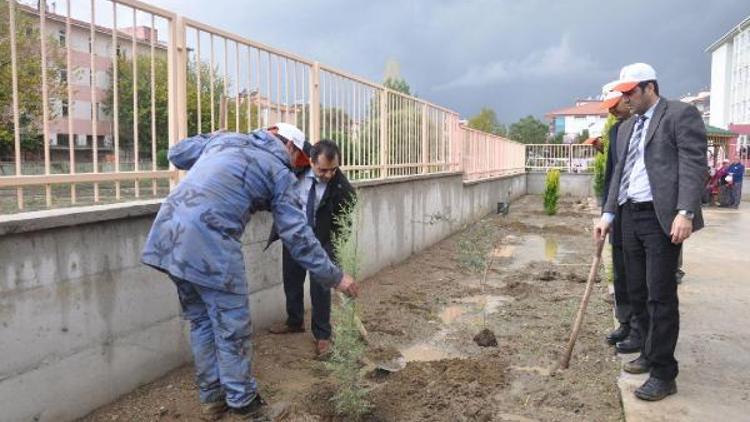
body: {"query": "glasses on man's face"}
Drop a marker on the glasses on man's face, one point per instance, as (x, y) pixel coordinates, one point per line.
(330, 171)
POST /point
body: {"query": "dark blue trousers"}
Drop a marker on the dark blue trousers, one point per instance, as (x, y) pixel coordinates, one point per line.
(294, 287)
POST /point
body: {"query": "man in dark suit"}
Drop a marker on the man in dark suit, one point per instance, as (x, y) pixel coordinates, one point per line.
(656, 188)
(624, 337)
(325, 193)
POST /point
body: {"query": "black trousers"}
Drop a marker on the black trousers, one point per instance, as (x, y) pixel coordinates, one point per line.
(623, 310)
(651, 263)
(294, 288)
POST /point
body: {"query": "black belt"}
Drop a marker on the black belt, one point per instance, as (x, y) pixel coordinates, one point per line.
(639, 206)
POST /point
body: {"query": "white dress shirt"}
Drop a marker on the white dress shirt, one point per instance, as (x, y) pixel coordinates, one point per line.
(639, 189)
(304, 185)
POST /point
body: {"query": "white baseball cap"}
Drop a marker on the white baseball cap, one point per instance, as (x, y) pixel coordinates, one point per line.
(291, 133)
(632, 74)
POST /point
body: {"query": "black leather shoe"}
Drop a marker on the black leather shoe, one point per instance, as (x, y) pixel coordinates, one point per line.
(254, 408)
(655, 389)
(639, 365)
(632, 344)
(620, 334)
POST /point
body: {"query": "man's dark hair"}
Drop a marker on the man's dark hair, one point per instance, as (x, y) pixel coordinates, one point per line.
(326, 147)
(644, 84)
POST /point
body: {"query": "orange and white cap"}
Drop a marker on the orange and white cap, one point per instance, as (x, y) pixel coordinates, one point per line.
(632, 74)
(611, 97)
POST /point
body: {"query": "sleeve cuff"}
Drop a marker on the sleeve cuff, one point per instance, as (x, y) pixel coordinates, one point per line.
(608, 217)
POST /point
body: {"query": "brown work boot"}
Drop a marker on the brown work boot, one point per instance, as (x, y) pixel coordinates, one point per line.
(323, 349)
(284, 328)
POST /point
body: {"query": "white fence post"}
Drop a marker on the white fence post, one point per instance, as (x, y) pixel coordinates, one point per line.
(314, 102)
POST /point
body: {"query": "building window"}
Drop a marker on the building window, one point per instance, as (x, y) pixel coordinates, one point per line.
(120, 51)
(61, 140)
(81, 140)
(62, 76)
(61, 37)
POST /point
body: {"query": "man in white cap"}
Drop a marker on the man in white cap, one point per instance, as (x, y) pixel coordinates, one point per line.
(625, 337)
(656, 188)
(196, 239)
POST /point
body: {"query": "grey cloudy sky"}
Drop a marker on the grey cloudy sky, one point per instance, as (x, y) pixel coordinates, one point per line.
(519, 57)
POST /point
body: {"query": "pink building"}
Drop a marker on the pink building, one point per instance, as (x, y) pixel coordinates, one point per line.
(80, 78)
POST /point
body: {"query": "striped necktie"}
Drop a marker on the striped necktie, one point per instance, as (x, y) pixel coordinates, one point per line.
(310, 209)
(633, 153)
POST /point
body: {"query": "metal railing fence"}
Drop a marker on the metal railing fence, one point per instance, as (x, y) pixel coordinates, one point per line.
(99, 90)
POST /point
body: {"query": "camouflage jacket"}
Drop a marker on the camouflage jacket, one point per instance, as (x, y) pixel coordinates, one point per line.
(197, 233)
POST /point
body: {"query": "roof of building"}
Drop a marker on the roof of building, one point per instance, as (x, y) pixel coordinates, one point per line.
(729, 34)
(592, 108)
(124, 33)
(697, 97)
(719, 132)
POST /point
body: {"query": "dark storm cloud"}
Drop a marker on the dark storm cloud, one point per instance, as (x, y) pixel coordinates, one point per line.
(517, 56)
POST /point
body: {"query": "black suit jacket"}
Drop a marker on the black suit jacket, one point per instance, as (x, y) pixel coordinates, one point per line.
(614, 236)
(675, 157)
(611, 159)
(339, 192)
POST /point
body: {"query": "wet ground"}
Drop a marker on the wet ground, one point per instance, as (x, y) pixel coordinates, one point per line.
(426, 312)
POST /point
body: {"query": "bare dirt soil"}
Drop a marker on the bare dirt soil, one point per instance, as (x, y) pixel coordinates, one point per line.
(428, 309)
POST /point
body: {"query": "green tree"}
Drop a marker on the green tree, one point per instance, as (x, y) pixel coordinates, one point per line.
(558, 138)
(29, 73)
(486, 121)
(126, 113)
(351, 397)
(397, 84)
(551, 191)
(529, 130)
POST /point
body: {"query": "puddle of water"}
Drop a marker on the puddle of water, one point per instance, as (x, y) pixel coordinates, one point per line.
(452, 313)
(469, 309)
(425, 352)
(504, 251)
(536, 248)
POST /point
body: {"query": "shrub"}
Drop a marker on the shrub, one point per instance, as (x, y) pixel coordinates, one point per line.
(600, 162)
(162, 161)
(350, 398)
(551, 191)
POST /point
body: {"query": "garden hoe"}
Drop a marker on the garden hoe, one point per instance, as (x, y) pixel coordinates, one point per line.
(565, 361)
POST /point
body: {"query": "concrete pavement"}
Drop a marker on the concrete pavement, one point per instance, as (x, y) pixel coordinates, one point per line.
(714, 345)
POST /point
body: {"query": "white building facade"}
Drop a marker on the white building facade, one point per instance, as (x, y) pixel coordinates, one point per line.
(585, 115)
(730, 77)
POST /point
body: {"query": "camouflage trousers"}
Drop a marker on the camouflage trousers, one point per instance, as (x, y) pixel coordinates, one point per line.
(220, 341)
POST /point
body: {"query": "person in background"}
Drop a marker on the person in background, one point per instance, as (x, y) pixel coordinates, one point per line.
(325, 193)
(737, 171)
(724, 181)
(624, 337)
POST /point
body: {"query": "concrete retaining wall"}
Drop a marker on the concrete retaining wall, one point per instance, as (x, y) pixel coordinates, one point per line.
(82, 322)
(571, 184)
